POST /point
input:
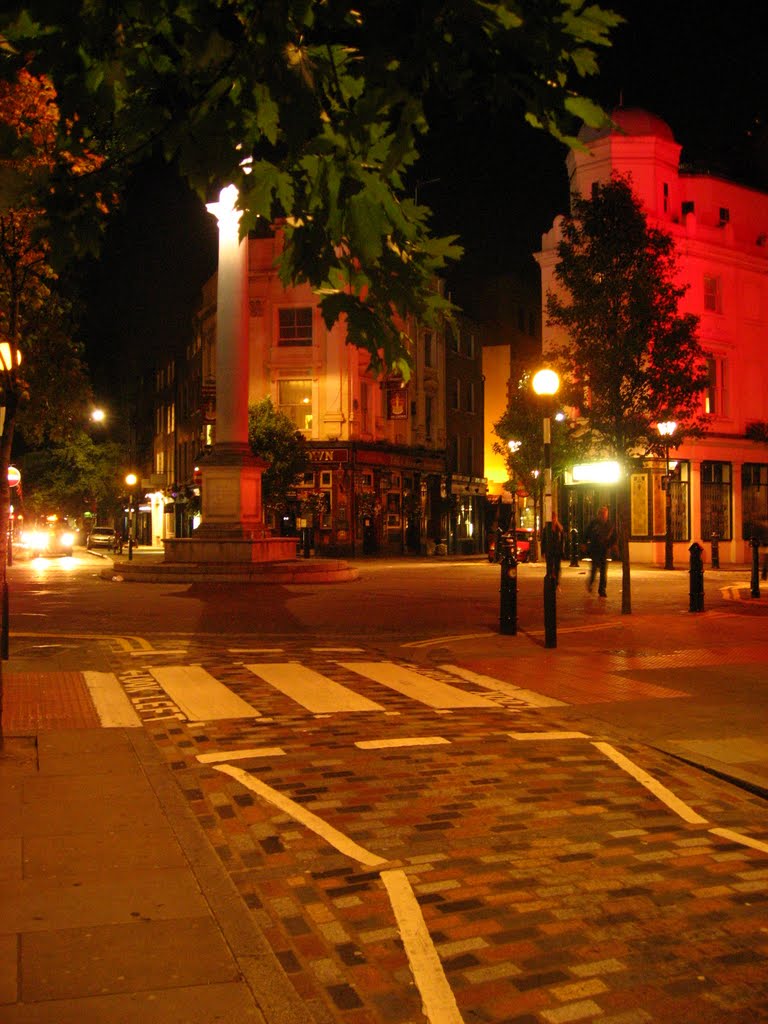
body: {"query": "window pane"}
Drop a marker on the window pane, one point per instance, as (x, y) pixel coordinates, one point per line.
(295, 326)
(294, 399)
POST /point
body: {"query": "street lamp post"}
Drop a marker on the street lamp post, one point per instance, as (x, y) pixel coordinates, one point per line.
(666, 430)
(130, 480)
(10, 361)
(546, 384)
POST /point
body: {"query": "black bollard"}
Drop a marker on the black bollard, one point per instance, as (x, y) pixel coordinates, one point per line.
(715, 550)
(696, 571)
(550, 610)
(508, 591)
(574, 548)
(305, 541)
(755, 582)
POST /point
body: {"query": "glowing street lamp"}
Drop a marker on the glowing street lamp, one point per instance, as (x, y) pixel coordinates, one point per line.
(667, 430)
(131, 480)
(546, 384)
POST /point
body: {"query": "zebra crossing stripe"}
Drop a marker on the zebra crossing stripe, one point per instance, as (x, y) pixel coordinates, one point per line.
(310, 689)
(110, 700)
(200, 696)
(418, 687)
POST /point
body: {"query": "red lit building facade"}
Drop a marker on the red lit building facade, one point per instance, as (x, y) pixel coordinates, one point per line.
(721, 232)
(396, 467)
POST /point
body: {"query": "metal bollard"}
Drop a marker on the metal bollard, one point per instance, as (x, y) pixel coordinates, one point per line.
(550, 609)
(715, 550)
(574, 547)
(696, 571)
(508, 592)
(755, 581)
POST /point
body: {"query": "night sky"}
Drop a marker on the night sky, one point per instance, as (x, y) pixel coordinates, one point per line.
(499, 183)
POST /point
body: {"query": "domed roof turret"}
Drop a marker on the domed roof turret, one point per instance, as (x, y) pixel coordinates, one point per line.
(629, 121)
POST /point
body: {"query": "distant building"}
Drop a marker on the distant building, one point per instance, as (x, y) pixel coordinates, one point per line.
(386, 475)
(721, 231)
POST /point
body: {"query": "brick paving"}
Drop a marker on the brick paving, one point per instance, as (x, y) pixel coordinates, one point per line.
(554, 886)
(44, 701)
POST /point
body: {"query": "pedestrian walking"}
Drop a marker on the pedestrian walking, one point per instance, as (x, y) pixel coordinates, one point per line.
(600, 538)
(553, 546)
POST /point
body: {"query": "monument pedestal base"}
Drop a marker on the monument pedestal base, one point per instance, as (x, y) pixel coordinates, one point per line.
(221, 547)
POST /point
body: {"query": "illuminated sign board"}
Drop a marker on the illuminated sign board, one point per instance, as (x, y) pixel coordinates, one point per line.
(596, 473)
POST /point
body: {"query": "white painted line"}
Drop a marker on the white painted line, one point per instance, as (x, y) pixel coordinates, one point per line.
(439, 1003)
(337, 650)
(311, 821)
(417, 686)
(447, 639)
(551, 735)
(200, 696)
(255, 650)
(145, 654)
(737, 837)
(240, 755)
(652, 785)
(313, 691)
(112, 704)
(536, 700)
(405, 741)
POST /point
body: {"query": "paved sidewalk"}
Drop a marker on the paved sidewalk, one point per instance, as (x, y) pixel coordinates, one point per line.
(113, 906)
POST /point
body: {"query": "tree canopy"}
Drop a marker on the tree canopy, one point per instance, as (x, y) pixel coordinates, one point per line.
(631, 359)
(274, 438)
(314, 110)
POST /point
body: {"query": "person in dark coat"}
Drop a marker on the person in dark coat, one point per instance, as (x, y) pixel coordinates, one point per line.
(553, 545)
(600, 538)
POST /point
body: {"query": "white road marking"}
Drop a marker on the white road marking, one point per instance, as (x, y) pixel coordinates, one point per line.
(200, 696)
(240, 755)
(313, 691)
(535, 700)
(144, 654)
(551, 735)
(337, 650)
(112, 705)
(737, 837)
(652, 785)
(311, 821)
(418, 687)
(404, 741)
(255, 650)
(439, 1002)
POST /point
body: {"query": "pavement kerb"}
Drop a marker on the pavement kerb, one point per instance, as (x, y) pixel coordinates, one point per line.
(273, 993)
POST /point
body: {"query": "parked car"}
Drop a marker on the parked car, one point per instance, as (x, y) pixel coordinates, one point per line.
(523, 539)
(101, 537)
(47, 541)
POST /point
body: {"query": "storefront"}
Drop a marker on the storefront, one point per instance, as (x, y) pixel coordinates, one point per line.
(367, 500)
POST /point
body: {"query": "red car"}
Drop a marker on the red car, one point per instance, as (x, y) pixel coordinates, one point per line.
(523, 542)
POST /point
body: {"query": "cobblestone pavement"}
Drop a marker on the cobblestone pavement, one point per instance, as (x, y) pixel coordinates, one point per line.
(557, 874)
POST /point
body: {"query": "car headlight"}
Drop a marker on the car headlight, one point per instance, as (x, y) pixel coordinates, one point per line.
(35, 539)
(66, 540)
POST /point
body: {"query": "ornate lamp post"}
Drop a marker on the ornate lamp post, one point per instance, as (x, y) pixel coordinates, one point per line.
(546, 384)
(131, 480)
(666, 430)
